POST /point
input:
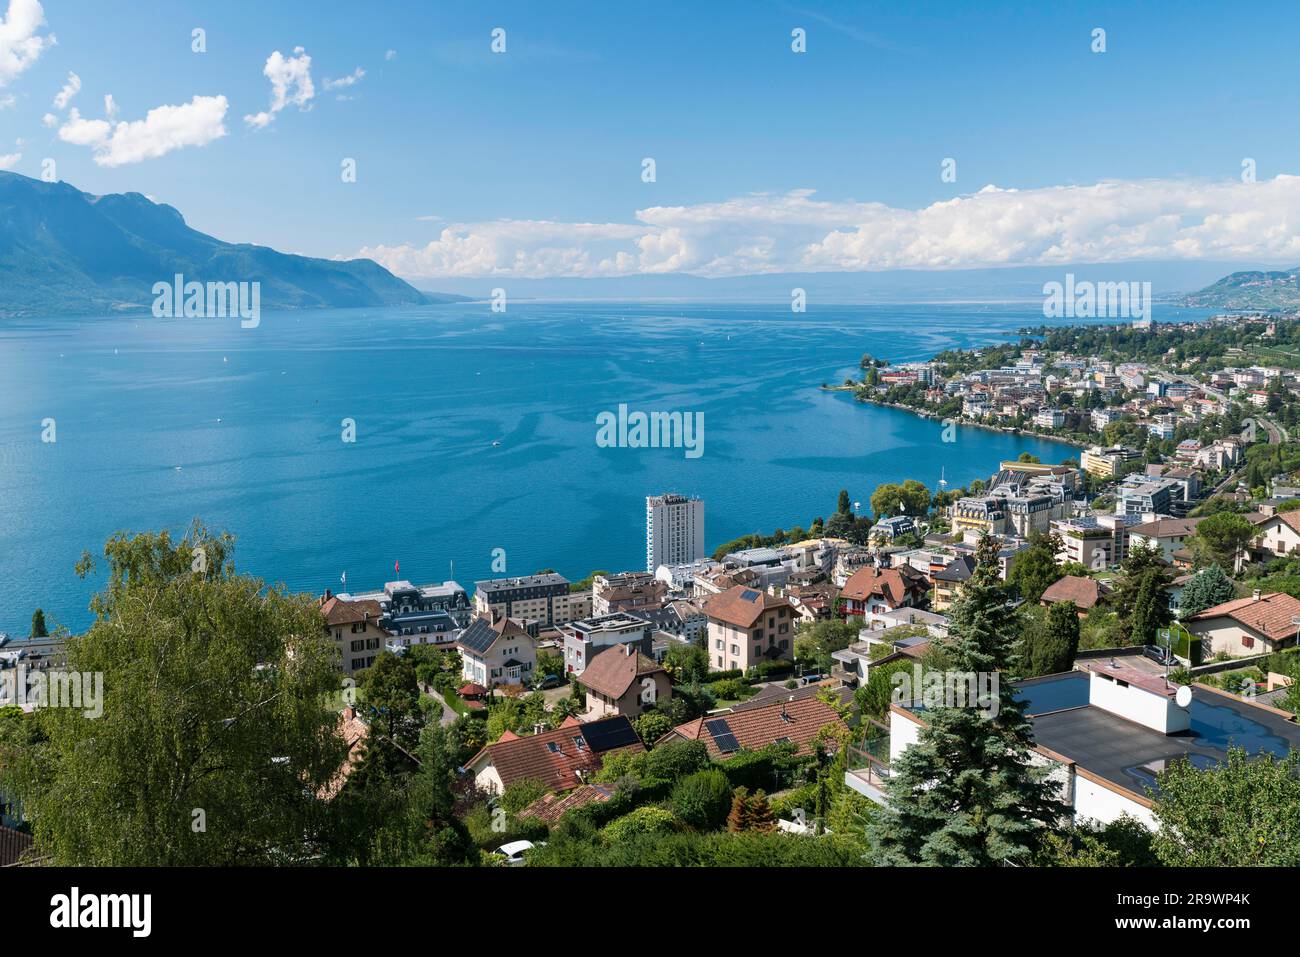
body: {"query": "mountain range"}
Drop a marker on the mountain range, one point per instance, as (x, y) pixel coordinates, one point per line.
(1252, 290)
(65, 252)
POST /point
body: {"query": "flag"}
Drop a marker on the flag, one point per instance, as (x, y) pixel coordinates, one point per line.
(344, 578)
(397, 568)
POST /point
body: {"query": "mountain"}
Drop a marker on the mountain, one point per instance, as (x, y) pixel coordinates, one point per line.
(1253, 291)
(66, 252)
(989, 285)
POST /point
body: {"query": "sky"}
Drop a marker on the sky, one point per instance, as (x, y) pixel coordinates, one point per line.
(531, 162)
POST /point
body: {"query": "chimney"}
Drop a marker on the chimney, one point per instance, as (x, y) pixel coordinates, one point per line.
(629, 649)
(1255, 594)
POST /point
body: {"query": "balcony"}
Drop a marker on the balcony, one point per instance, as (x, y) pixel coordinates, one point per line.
(868, 763)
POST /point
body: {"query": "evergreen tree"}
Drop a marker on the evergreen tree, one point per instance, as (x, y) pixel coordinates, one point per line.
(1053, 647)
(965, 793)
(1140, 598)
(38, 624)
(1206, 589)
(845, 505)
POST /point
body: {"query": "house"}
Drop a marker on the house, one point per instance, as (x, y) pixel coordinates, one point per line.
(1278, 534)
(870, 590)
(896, 526)
(549, 808)
(621, 680)
(629, 592)
(560, 760)
(14, 846)
(1084, 592)
(1107, 732)
(797, 721)
(1258, 625)
(1167, 534)
(584, 640)
(356, 629)
(496, 651)
(747, 627)
(948, 580)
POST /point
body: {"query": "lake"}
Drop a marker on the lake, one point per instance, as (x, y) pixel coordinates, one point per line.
(473, 431)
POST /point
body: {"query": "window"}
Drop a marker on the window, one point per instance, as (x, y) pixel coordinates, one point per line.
(735, 650)
(1247, 641)
(359, 645)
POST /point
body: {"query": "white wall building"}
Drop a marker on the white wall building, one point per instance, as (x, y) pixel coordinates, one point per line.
(674, 530)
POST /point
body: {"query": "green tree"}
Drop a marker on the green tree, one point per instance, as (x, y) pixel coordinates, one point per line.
(1035, 568)
(844, 505)
(1221, 538)
(965, 792)
(702, 800)
(38, 624)
(428, 832)
(391, 699)
(215, 737)
(652, 726)
(1140, 597)
(1052, 648)
(644, 820)
(1244, 813)
(686, 662)
(910, 498)
(1208, 587)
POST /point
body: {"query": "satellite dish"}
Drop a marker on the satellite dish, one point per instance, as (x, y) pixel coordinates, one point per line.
(1183, 696)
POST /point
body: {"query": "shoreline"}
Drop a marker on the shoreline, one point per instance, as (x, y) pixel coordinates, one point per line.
(927, 414)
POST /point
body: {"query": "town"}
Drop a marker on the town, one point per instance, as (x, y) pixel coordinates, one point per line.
(1125, 620)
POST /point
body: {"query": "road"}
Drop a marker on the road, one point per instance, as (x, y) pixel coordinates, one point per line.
(448, 715)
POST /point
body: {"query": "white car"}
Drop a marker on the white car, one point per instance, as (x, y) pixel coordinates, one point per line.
(514, 852)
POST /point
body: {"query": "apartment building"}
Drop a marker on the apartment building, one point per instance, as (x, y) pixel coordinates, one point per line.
(356, 628)
(747, 627)
(629, 591)
(585, 639)
(674, 530)
(542, 598)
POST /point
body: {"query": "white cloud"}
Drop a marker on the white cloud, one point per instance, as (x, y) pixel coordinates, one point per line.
(291, 85)
(390, 54)
(1118, 221)
(7, 100)
(110, 107)
(342, 82)
(7, 160)
(20, 42)
(164, 129)
(70, 89)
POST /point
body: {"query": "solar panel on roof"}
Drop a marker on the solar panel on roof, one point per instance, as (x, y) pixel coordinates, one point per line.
(749, 594)
(722, 735)
(610, 733)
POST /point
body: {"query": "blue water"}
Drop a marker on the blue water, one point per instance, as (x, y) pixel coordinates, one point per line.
(159, 421)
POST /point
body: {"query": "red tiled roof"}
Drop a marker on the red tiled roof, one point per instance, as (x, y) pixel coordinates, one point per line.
(1084, 592)
(741, 606)
(471, 688)
(1270, 614)
(869, 581)
(13, 845)
(799, 721)
(355, 732)
(340, 612)
(613, 671)
(558, 767)
(551, 807)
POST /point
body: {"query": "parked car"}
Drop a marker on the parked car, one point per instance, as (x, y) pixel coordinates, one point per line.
(514, 852)
(551, 681)
(1160, 655)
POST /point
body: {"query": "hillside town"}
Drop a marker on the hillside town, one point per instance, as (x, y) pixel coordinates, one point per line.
(1135, 608)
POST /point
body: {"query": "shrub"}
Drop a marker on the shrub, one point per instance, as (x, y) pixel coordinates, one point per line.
(702, 800)
(644, 820)
(676, 759)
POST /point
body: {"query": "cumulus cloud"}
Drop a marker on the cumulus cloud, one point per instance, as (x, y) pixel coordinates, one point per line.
(291, 85)
(352, 79)
(1117, 221)
(163, 129)
(70, 89)
(21, 42)
(8, 160)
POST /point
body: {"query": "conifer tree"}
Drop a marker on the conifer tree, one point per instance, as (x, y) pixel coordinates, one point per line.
(965, 793)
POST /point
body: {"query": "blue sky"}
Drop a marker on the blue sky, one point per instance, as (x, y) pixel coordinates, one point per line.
(551, 134)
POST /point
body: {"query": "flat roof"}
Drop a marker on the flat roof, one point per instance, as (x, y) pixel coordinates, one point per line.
(1128, 754)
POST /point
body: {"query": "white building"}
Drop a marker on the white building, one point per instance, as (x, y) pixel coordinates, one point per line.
(674, 530)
